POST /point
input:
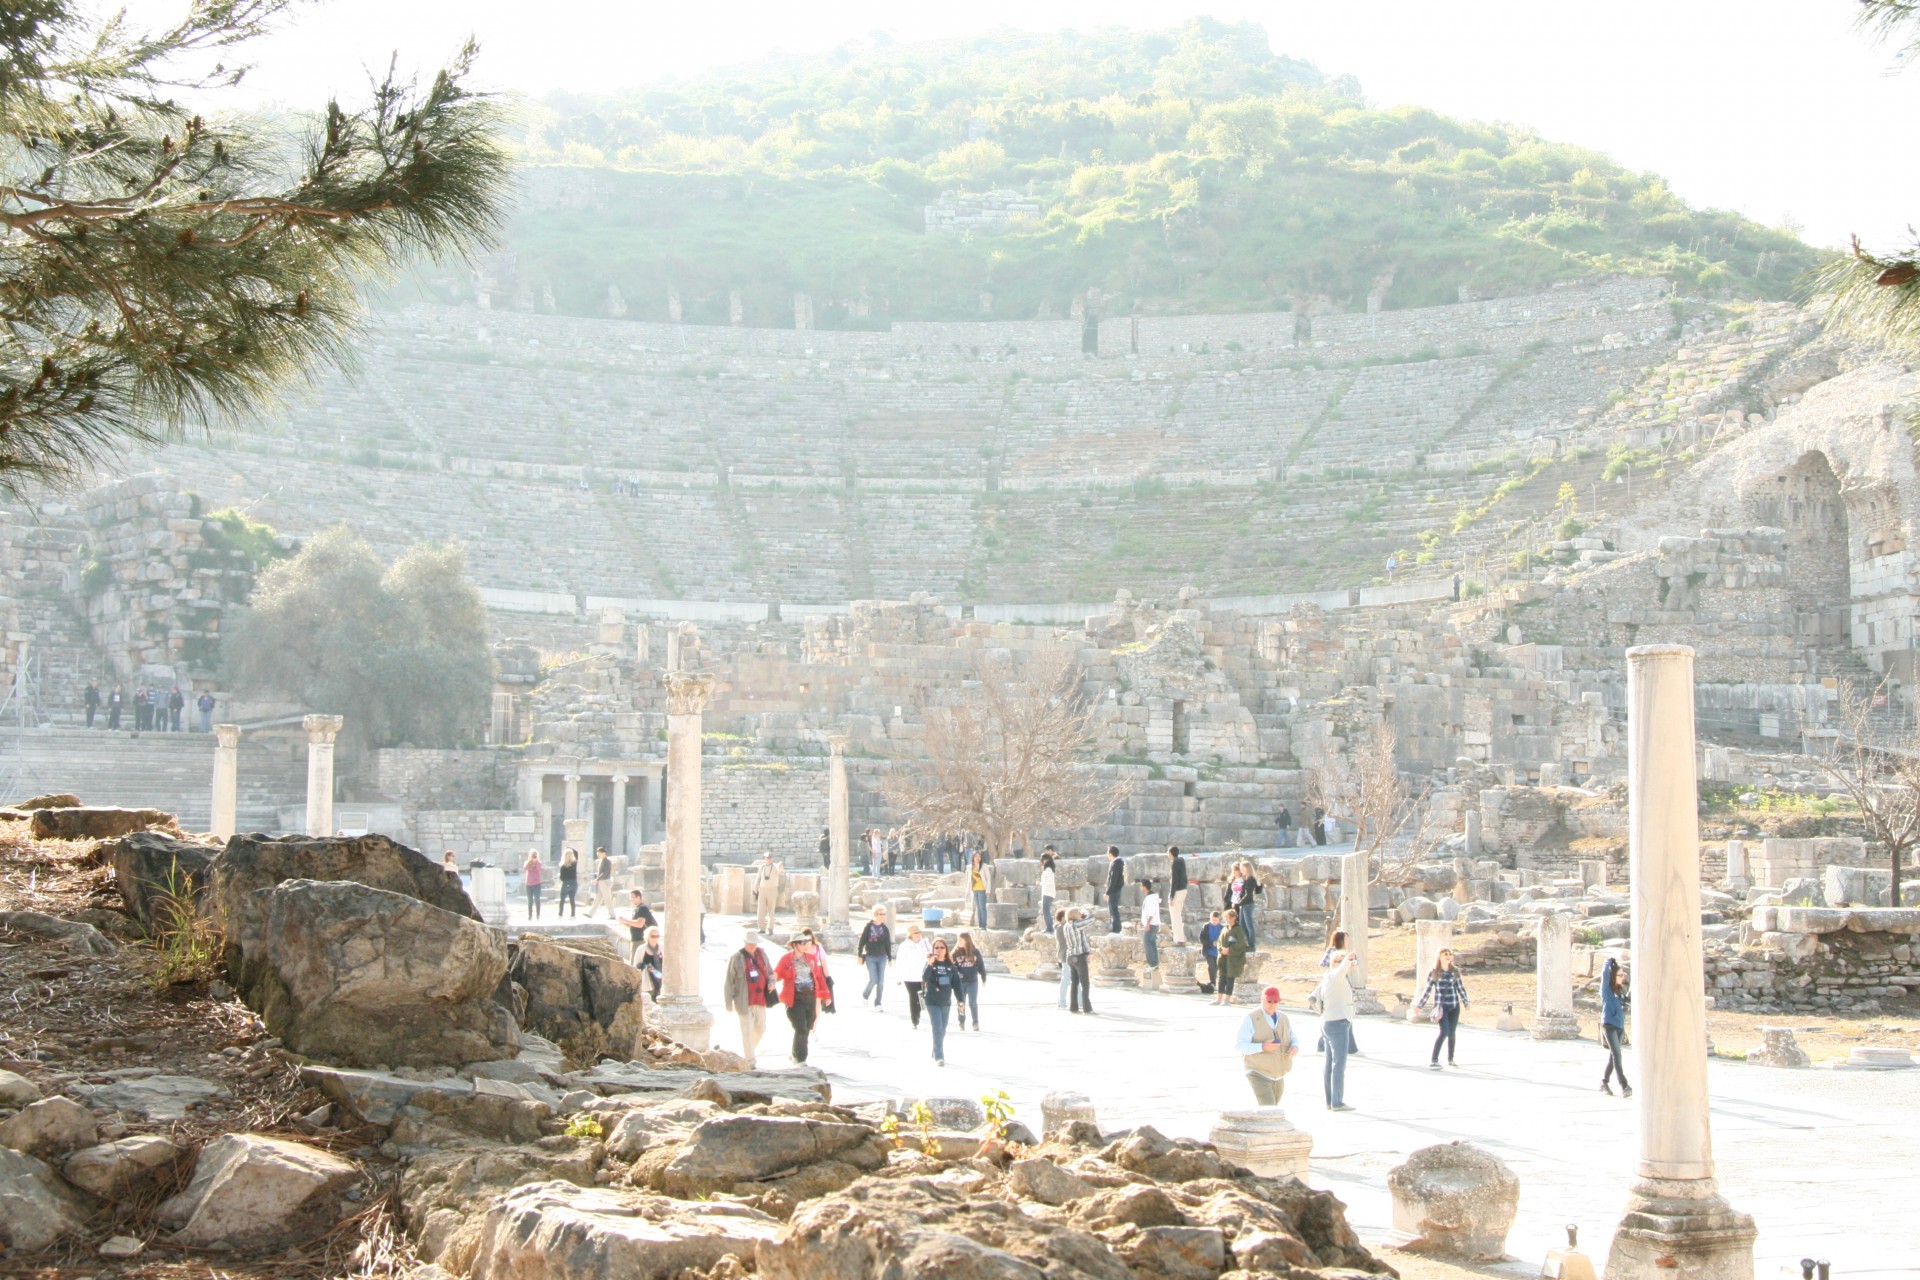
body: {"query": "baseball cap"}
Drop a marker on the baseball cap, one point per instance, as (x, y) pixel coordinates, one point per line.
(1271, 993)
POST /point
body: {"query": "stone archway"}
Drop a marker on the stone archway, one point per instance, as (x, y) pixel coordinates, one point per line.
(1805, 501)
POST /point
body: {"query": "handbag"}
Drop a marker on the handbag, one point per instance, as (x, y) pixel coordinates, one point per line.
(1436, 1015)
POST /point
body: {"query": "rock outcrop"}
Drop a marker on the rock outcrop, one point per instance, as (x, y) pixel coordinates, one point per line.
(150, 866)
(572, 995)
(98, 824)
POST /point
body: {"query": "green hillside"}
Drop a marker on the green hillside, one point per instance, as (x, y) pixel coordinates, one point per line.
(1184, 170)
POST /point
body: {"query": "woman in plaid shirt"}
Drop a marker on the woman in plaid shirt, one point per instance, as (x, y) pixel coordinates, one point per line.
(1449, 996)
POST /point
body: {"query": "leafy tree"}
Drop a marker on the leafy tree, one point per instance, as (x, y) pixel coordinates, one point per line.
(157, 263)
(401, 652)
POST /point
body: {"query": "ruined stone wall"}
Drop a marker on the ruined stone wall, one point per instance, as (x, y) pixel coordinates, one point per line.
(748, 807)
(421, 778)
(1810, 959)
(499, 837)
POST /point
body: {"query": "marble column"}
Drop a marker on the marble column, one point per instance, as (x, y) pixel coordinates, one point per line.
(1472, 826)
(1430, 938)
(1676, 1222)
(649, 806)
(618, 847)
(226, 779)
(1355, 881)
(1737, 877)
(679, 1012)
(1553, 1017)
(321, 731)
(570, 807)
(840, 875)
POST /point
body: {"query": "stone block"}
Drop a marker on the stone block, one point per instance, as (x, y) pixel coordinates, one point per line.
(1454, 1200)
(1262, 1141)
(1811, 919)
(1857, 887)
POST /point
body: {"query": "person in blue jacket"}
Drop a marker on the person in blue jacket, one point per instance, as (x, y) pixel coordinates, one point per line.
(1614, 998)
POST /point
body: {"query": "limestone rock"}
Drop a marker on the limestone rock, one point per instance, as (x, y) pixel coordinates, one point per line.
(36, 1208)
(17, 1090)
(150, 1097)
(1778, 1048)
(557, 1231)
(98, 824)
(1282, 1220)
(52, 800)
(741, 1148)
(364, 977)
(1165, 1160)
(114, 1169)
(1139, 1206)
(49, 1127)
(1060, 1108)
(257, 1193)
(80, 938)
(948, 1113)
(1176, 1253)
(796, 1084)
(637, 1130)
(491, 1109)
(148, 865)
(1041, 1179)
(1454, 1200)
(446, 1193)
(569, 990)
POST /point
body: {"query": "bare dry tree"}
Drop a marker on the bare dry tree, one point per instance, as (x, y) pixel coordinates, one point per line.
(1009, 756)
(1880, 772)
(1365, 786)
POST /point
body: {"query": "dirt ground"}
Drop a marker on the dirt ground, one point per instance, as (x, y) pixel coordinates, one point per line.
(1390, 951)
(66, 1018)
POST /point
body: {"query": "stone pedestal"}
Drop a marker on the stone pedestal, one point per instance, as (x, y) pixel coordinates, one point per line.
(679, 1012)
(1676, 1223)
(1263, 1142)
(806, 910)
(1878, 1057)
(840, 875)
(1739, 880)
(488, 889)
(1112, 961)
(1048, 970)
(321, 731)
(1454, 1200)
(578, 834)
(226, 779)
(1778, 1048)
(1176, 970)
(1061, 1108)
(1355, 884)
(732, 898)
(1553, 1015)
(1473, 832)
(1593, 874)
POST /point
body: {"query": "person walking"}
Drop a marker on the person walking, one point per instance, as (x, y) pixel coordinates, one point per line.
(1210, 949)
(876, 850)
(979, 876)
(142, 709)
(91, 700)
(1150, 924)
(652, 961)
(1242, 889)
(602, 883)
(1079, 987)
(1316, 829)
(532, 872)
(973, 975)
(1614, 999)
(910, 958)
(1267, 1046)
(804, 989)
(1058, 927)
(1049, 887)
(940, 978)
(766, 889)
(1332, 825)
(1448, 996)
(1177, 895)
(875, 948)
(1233, 957)
(826, 848)
(1116, 885)
(748, 991)
(639, 919)
(176, 707)
(1285, 822)
(205, 706)
(1334, 1000)
(569, 904)
(116, 701)
(1336, 945)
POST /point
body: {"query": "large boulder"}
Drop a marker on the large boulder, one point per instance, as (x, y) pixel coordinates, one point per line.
(114, 1170)
(36, 1208)
(363, 977)
(98, 824)
(49, 1127)
(150, 866)
(257, 1193)
(1857, 887)
(573, 995)
(792, 1084)
(732, 1149)
(557, 1231)
(1454, 1200)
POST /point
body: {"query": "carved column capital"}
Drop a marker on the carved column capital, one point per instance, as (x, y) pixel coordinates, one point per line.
(323, 728)
(226, 735)
(688, 692)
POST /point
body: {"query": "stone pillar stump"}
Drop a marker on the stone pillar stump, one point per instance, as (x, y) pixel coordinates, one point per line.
(1262, 1141)
(321, 731)
(1553, 1015)
(226, 779)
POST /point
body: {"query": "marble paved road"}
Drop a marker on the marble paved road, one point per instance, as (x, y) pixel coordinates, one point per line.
(1827, 1162)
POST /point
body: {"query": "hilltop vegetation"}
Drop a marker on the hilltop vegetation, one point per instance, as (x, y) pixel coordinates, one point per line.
(1183, 170)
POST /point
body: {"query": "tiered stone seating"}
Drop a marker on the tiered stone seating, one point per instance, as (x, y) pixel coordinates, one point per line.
(1391, 413)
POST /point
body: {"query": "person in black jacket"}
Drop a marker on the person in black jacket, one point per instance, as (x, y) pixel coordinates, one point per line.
(1177, 896)
(941, 981)
(1116, 885)
(875, 949)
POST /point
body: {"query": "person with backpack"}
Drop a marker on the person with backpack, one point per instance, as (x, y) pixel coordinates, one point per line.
(973, 975)
(875, 948)
(1267, 1047)
(909, 963)
(1614, 999)
(766, 889)
(940, 980)
(804, 988)
(1333, 999)
(1233, 957)
(1448, 996)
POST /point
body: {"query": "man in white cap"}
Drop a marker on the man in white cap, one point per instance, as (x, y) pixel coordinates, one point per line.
(749, 990)
(1267, 1046)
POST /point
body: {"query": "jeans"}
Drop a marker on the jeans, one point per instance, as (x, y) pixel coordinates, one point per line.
(1080, 989)
(1246, 923)
(569, 903)
(533, 901)
(206, 721)
(1449, 1025)
(913, 1001)
(1150, 943)
(937, 1015)
(1286, 837)
(1046, 913)
(969, 1003)
(90, 714)
(1334, 1076)
(1113, 912)
(1066, 976)
(1616, 1066)
(979, 908)
(1266, 1093)
(1225, 985)
(801, 1015)
(876, 979)
(1213, 969)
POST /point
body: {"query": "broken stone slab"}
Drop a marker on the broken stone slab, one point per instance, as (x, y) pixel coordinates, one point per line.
(83, 823)
(363, 977)
(742, 1148)
(52, 800)
(115, 1169)
(375, 1097)
(558, 1231)
(80, 938)
(798, 1084)
(1875, 1057)
(638, 1129)
(17, 1090)
(154, 1097)
(49, 1127)
(36, 1207)
(1454, 1200)
(1037, 1178)
(1062, 1107)
(570, 990)
(257, 1193)
(1885, 920)
(1810, 919)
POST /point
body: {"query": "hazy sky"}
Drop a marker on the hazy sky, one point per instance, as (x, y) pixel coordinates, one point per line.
(1777, 108)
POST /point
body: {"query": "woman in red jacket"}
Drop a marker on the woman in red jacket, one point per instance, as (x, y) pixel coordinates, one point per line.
(804, 989)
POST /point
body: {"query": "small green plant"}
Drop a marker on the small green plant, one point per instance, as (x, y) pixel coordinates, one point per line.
(922, 1117)
(582, 1125)
(999, 1109)
(890, 1130)
(189, 945)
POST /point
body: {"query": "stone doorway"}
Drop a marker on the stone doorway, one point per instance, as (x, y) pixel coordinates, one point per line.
(1806, 502)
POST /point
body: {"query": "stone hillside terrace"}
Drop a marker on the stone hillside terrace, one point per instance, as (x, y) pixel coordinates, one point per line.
(816, 466)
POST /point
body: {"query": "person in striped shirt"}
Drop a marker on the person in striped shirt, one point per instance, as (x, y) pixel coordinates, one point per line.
(1448, 996)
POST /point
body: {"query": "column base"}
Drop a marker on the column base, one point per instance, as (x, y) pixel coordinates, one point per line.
(839, 938)
(1263, 1142)
(1366, 1002)
(1555, 1026)
(687, 1021)
(1681, 1229)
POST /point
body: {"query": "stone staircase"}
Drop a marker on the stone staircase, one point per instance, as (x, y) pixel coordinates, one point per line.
(171, 771)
